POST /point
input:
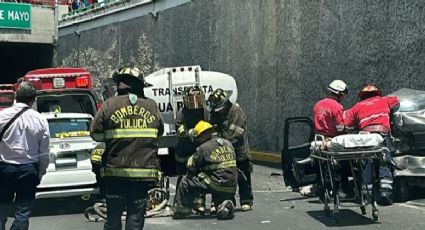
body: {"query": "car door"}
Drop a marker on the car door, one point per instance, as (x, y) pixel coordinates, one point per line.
(297, 168)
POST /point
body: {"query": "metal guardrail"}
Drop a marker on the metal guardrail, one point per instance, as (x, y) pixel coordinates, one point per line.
(92, 8)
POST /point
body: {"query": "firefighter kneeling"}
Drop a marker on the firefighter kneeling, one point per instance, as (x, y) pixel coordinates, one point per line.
(212, 169)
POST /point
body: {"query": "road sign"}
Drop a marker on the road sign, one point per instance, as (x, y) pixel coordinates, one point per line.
(15, 15)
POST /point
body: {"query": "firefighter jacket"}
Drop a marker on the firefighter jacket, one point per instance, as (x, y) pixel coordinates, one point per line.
(372, 111)
(214, 162)
(328, 117)
(186, 119)
(232, 126)
(129, 125)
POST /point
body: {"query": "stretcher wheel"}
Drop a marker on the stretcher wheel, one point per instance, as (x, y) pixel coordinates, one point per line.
(375, 215)
(363, 209)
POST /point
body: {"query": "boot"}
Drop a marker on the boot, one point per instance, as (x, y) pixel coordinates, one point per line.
(385, 197)
(386, 191)
(246, 207)
(199, 204)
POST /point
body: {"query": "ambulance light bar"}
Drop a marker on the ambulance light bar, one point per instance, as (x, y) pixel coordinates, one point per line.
(82, 82)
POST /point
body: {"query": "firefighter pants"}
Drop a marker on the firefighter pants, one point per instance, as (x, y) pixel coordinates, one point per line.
(122, 194)
(245, 188)
(385, 168)
(19, 181)
(191, 186)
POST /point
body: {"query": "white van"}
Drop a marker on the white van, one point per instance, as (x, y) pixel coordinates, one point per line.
(69, 172)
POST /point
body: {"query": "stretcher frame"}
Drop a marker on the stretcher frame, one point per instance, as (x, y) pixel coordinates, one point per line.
(363, 195)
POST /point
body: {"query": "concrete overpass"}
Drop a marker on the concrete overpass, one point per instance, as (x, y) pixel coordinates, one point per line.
(28, 35)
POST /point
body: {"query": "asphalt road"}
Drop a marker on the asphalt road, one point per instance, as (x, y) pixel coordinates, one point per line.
(275, 208)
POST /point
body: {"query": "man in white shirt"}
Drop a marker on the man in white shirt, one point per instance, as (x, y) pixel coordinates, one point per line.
(24, 156)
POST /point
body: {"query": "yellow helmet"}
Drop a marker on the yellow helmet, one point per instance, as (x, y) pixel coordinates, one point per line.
(201, 127)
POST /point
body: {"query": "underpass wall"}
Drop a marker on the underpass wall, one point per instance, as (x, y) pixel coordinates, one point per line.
(283, 53)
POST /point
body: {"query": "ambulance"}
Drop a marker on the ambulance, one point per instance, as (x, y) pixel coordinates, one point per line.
(67, 100)
(65, 89)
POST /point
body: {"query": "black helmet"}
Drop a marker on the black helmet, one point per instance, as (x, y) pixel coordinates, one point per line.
(131, 76)
(193, 98)
(218, 99)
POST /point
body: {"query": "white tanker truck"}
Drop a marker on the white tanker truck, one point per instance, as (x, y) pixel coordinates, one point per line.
(168, 84)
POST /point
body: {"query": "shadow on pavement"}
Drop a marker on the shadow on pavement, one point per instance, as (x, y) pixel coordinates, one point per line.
(297, 198)
(417, 193)
(347, 217)
(63, 206)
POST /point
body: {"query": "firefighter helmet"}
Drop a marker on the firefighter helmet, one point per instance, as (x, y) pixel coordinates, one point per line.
(369, 91)
(194, 98)
(131, 76)
(218, 99)
(201, 127)
(338, 87)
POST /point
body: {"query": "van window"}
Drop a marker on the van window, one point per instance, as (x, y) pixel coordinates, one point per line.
(66, 103)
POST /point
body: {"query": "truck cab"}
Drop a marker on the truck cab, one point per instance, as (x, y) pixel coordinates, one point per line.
(7, 96)
(64, 90)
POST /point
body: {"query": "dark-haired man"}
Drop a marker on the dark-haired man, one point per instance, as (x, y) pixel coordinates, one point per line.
(24, 156)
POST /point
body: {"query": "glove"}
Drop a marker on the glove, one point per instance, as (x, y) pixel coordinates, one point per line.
(191, 134)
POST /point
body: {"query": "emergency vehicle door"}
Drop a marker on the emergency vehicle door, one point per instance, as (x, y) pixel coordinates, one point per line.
(296, 165)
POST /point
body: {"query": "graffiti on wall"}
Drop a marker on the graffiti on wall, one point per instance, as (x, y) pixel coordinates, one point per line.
(101, 63)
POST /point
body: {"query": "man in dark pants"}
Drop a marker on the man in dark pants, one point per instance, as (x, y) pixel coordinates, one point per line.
(24, 156)
(372, 114)
(212, 169)
(129, 124)
(231, 124)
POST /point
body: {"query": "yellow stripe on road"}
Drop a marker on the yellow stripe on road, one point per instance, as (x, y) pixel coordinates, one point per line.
(270, 157)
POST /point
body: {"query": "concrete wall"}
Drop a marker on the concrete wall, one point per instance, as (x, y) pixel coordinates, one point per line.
(282, 53)
(42, 28)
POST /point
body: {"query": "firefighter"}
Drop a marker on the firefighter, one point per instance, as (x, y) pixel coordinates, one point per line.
(329, 122)
(192, 112)
(231, 124)
(129, 125)
(372, 114)
(212, 169)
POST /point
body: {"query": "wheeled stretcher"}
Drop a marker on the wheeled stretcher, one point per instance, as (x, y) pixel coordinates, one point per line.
(355, 149)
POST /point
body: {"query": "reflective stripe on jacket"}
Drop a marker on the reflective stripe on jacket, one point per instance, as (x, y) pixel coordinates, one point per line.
(185, 120)
(129, 126)
(215, 164)
(210, 183)
(130, 173)
(372, 111)
(233, 127)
